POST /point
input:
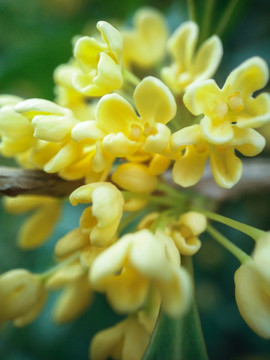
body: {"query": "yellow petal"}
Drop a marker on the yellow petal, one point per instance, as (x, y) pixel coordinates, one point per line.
(176, 295)
(158, 142)
(189, 135)
(113, 39)
(114, 114)
(158, 164)
(73, 301)
(248, 141)
(188, 170)
(119, 145)
(226, 167)
(256, 112)
(207, 59)
(87, 130)
(24, 203)
(86, 52)
(216, 133)
(200, 97)
(252, 300)
(39, 226)
(71, 242)
(182, 43)
(154, 101)
(65, 157)
(248, 77)
(135, 178)
(109, 76)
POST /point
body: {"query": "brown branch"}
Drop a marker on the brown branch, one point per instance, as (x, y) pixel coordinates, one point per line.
(15, 182)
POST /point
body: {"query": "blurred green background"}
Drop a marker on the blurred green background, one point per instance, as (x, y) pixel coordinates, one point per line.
(35, 37)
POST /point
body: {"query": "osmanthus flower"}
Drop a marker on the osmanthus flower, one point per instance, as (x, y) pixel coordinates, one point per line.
(100, 62)
(16, 132)
(122, 131)
(190, 65)
(233, 105)
(126, 340)
(39, 226)
(225, 165)
(144, 45)
(67, 96)
(137, 261)
(22, 296)
(76, 293)
(54, 150)
(252, 288)
(185, 232)
(101, 219)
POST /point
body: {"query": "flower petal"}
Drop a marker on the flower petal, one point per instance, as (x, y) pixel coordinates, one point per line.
(182, 43)
(219, 133)
(114, 114)
(189, 135)
(226, 167)
(207, 59)
(119, 145)
(113, 39)
(200, 96)
(257, 111)
(154, 101)
(248, 141)
(188, 170)
(158, 142)
(248, 77)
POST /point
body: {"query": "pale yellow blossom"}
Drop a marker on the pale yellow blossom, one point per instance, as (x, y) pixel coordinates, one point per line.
(252, 288)
(145, 44)
(189, 65)
(127, 269)
(122, 131)
(38, 227)
(226, 166)
(126, 340)
(233, 106)
(185, 232)
(20, 291)
(100, 220)
(99, 61)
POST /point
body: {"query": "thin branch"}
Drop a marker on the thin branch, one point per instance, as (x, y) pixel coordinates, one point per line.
(256, 178)
(15, 182)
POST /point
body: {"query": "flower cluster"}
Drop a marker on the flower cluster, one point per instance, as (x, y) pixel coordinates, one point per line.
(118, 134)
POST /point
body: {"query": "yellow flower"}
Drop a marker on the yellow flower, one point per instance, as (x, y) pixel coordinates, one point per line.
(185, 232)
(252, 289)
(233, 105)
(99, 61)
(135, 178)
(145, 44)
(76, 296)
(100, 220)
(122, 131)
(127, 268)
(50, 121)
(20, 294)
(127, 340)
(188, 66)
(226, 166)
(38, 227)
(16, 131)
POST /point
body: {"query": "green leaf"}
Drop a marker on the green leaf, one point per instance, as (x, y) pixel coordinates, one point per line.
(177, 339)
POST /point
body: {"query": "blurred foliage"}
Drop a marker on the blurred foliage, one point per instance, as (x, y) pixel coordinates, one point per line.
(35, 37)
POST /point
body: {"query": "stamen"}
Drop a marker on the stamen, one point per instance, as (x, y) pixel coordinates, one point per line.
(236, 102)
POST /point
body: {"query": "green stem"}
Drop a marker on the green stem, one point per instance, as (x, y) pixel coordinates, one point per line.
(226, 17)
(44, 276)
(161, 200)
(130, 77)
(207, 20)
(235, 250)
(170, 191)
(191, 10)
(244, 228)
